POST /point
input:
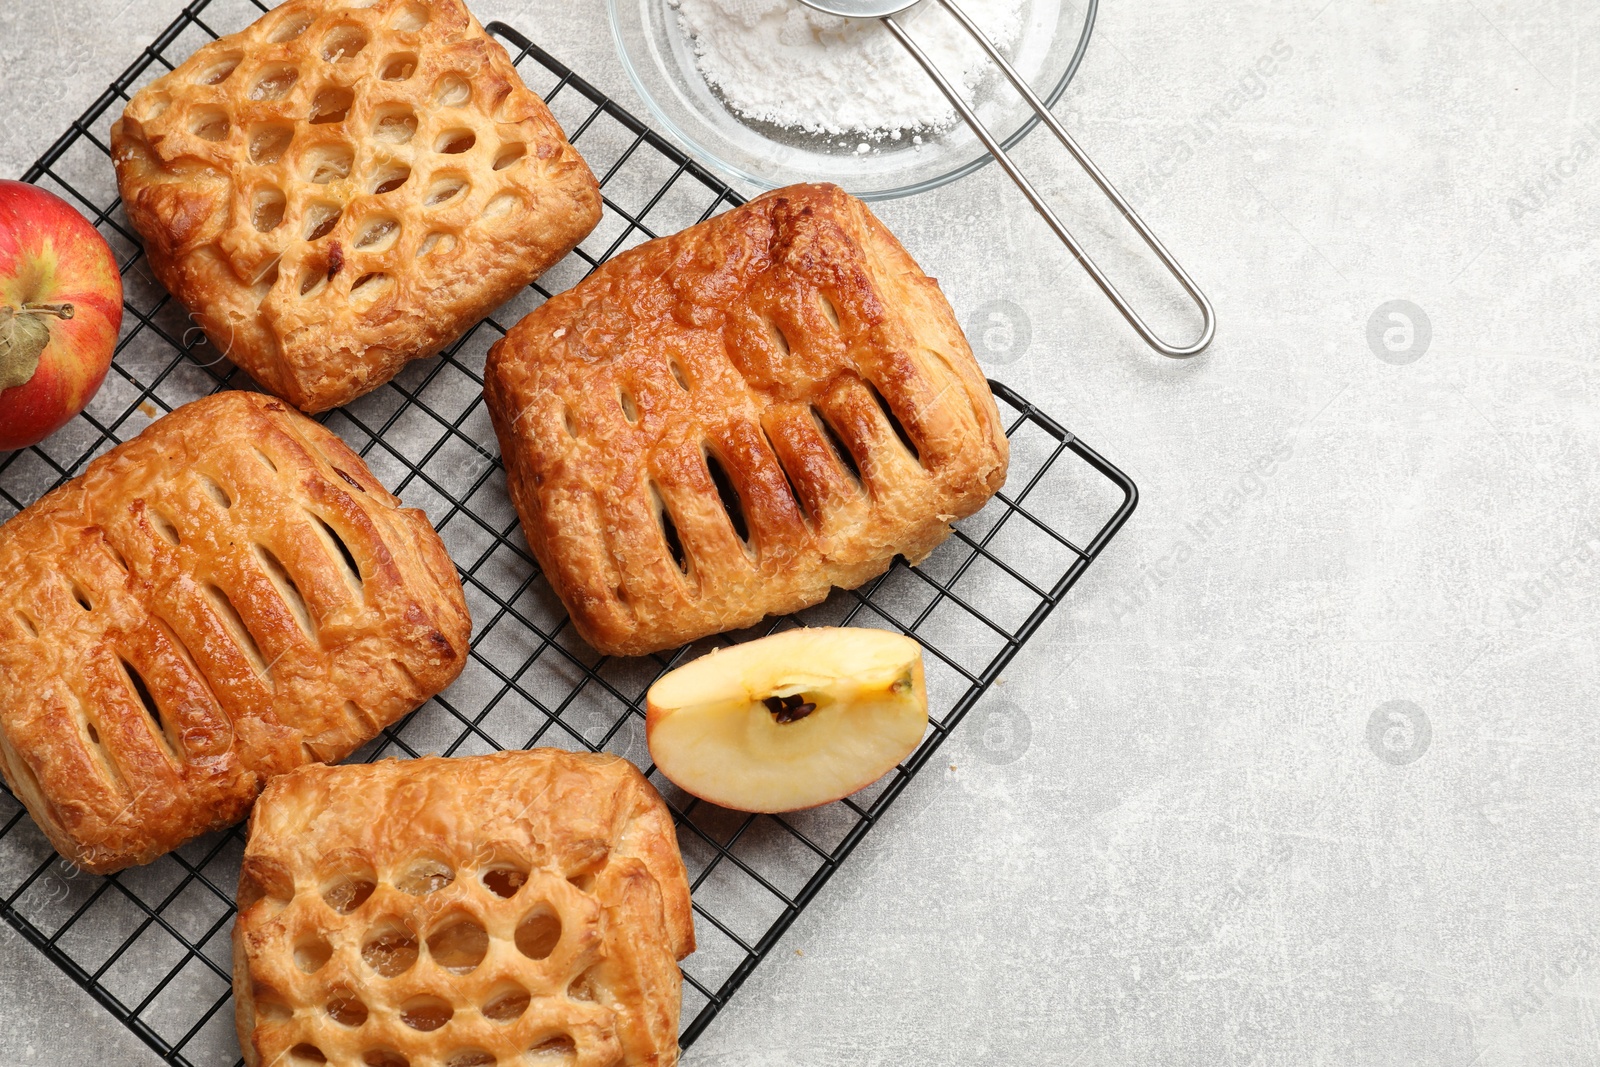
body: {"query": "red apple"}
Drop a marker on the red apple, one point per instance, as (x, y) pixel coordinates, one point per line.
(60, 309)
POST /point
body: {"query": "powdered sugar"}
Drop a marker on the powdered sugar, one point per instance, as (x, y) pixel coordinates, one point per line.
(778, 61)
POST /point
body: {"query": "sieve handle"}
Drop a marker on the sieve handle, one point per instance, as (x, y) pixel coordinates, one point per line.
(1039, 108)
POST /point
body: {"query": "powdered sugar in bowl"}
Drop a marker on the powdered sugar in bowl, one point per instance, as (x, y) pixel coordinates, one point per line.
(767, 92)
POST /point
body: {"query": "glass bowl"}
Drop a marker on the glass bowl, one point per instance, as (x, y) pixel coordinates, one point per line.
(659, 58)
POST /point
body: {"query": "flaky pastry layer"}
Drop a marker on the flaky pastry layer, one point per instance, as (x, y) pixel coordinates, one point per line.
(523, 907)
(340, 188)
(726, 423)
(226, 597)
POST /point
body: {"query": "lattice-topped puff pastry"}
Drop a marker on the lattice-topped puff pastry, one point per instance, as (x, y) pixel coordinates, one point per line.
(223, 598)
(723, 424)
(523, 908)
(347, 185)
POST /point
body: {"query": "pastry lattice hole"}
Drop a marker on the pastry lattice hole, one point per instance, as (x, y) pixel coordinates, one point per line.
(504, 881)
(444, 190)
(274, 83)
(452, 90)
(312, 278)
(312, 954)
(210, 125)
(454, 142)
(346, 1009)
(424, 876)
(630, 410)
(426, 1013)
(829, 311)
(264, 283)
(780, 340)
(384, 1057)
(507, 1004)
(32, 630)
(390, 178)
(343, 42)
(539, 933)
(391, 950)
(732, 503)
(470, 1057)
(370, 286)
(288, 589)
(398, 67)
(794, 490)
(503, 204)
(290, 28)
(395, 125)
(349, 891)
(219, 71)
(305, 1053)
(669, 529)
(267, 207)
(321, 218)
(234, 624)
(558, 1051)
(215, 491)
(352, 570)
(436, 242)
(509, 155)
(410, 19)
(331, 104)
(846, 458)
(328, 164)
(678, 374)
(894, 422)
(459, 945)
(164, 527)
(270, 1005)
(378, 234)
(268, 143)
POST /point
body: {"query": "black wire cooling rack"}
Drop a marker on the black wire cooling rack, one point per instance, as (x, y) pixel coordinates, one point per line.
(151, 944)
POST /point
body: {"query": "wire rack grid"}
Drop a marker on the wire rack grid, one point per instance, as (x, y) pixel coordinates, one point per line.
(151, 944)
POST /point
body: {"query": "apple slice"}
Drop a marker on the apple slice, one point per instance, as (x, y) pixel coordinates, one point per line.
(789, 721)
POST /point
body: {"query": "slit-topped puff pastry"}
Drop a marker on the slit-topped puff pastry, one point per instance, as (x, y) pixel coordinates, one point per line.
(226, 597)
(340, 188)
(522, 907)
(723, 424)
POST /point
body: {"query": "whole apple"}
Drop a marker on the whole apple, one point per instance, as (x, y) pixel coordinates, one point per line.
(60, 310)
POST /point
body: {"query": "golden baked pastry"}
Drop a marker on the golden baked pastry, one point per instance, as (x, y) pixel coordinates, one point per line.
(725, 423)
(519, 908)
(225, 597)
(340, 188)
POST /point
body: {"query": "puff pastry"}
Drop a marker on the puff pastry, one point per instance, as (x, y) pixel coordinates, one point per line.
(524, 907)
(725, 423)
(340, 188)
(225, 597)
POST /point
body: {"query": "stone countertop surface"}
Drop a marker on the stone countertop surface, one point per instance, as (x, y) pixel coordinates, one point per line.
(1303, 772)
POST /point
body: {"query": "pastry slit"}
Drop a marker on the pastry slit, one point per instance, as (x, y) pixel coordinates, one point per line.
(233, 622)
(894, 421)
(841, 451)
(79, 595)
(350, 568)
(669, 530)
(728, 493)
(800, 502)
(141, 692)
(288, 589)
(215, 491)
(28, 625)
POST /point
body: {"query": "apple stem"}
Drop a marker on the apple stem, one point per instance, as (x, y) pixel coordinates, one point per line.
(60, 311)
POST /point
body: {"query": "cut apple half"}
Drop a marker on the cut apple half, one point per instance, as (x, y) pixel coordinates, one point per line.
(789, 721)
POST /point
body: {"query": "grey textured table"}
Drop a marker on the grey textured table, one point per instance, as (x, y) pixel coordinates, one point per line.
(1304, 771)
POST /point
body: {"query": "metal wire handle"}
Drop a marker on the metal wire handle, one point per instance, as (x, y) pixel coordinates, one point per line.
(1208, 315)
